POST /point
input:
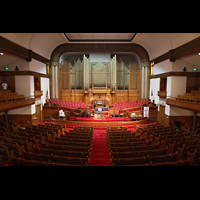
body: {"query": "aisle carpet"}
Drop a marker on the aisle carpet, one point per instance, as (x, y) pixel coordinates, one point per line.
(99, 154)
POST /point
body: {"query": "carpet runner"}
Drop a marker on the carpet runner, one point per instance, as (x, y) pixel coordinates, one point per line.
(99, 154)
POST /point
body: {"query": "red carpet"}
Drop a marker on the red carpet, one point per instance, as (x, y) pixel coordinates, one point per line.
(100, 155)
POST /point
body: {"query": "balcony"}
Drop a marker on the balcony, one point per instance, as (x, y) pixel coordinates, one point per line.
(193, 106)
(10, 104)
(162, 94)
(38, 94)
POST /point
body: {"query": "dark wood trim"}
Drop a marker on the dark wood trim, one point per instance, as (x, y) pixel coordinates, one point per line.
(185, 49)
(13, 48)
(31, 73)
(100, 40)
(165, 75)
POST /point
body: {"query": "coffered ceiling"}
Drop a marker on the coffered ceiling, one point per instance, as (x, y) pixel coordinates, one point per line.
(100, 37)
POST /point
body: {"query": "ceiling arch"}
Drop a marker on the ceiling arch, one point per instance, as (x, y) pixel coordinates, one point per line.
(103, 47)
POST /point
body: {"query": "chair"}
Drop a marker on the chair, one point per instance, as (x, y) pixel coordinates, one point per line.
(111, 113)
(88, 112)
(116, 113)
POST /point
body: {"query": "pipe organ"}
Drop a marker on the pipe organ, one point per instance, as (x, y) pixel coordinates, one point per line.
(86, 81)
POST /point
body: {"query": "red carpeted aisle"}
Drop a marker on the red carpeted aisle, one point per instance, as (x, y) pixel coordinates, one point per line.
(99, 154)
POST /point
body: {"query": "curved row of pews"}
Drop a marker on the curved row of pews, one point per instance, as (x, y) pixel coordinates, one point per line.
(46, 145)
(153, 145)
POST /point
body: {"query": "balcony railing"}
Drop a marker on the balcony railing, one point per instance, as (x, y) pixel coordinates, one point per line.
(188, 105)
(9, 104)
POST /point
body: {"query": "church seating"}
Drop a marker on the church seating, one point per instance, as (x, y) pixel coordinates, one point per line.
(126, 148)
(57, 159)
(72, 152)
(62, 152)
(144, 160)
(137, 156)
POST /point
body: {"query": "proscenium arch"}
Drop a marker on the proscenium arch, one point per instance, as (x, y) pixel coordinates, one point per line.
(102, 47)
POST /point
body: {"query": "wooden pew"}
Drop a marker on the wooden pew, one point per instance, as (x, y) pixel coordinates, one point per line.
(124, 137)
(81, 144)
(62, 153)
(130, 144)
(6, 154)
(173, 146)
(194, 157)
(28, 145)
(134, 148)
(75, 139)
(77, 136)
(133, 154)
(37, 136)
(110, 140)
(18, 150)
(24, 162)
(56, 159)
(182, 151)
(66, 147)
(144, 160)
(16, 136)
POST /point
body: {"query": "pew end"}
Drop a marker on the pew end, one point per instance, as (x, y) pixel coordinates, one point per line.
(191, 156)
(171, 146)
(164, 142)
(180, 150)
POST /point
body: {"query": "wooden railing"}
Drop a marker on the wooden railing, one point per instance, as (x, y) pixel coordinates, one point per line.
(9, 105)
(184, 104)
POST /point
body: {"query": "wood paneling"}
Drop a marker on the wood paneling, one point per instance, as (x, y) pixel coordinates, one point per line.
(182, 119)
(119, 95)
(22, 120)
(193, 84)
(10, 80)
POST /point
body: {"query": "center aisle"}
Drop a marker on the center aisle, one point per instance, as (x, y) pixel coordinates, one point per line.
(99, 154)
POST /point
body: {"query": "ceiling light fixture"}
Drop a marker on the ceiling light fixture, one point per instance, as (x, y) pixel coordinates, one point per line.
(1, 53)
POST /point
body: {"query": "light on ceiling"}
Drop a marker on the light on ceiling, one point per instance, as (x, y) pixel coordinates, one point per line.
(1, 53)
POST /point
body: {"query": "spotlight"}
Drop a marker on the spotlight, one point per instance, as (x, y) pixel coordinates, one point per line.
(1, 53)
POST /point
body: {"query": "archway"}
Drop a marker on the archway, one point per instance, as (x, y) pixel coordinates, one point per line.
(106, 47)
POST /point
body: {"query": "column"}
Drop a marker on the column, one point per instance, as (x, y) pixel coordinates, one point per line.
(56, 81)
(53, 78)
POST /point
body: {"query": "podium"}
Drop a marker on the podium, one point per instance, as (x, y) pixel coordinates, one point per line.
(98, 115)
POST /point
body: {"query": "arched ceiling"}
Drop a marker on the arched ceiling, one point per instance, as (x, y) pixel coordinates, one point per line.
(155, 44)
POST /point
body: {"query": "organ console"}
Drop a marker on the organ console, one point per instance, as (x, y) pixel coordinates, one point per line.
(99, 102)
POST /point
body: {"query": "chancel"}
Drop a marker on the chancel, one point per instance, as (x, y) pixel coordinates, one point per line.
(99, 99)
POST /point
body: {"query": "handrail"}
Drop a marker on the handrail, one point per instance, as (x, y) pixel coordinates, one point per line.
(16, 99)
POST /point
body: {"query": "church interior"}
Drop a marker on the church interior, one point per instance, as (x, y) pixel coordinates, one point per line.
(99, 99)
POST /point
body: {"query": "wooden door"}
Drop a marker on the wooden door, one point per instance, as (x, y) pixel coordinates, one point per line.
(162, 115)
(38, 113)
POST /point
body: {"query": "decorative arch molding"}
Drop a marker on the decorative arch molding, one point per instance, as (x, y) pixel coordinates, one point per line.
(103, 47)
